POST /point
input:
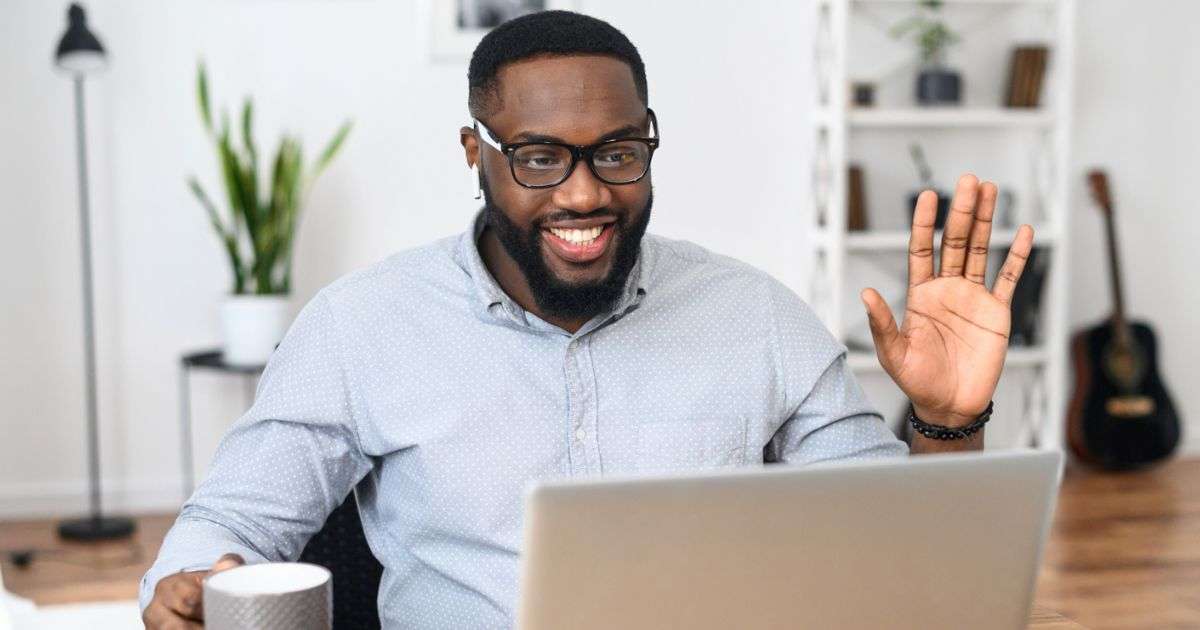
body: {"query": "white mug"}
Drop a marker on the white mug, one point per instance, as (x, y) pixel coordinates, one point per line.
(270, 596)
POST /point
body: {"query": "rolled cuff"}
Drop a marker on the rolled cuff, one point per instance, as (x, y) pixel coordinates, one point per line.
(193, 544)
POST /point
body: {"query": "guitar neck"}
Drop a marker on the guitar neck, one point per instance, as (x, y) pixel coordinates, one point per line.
(1119, 323)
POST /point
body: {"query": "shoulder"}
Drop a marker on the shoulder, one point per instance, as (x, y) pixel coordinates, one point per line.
(420, 268)
(402, 283)
(679, 265)
(686, 275)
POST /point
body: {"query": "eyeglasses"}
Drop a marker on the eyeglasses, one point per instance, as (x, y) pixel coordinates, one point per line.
(548, 164)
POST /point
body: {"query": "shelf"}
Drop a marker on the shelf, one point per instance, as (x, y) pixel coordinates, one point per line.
(1016, 357)
(897, 240)
(960, 2)
(948, 118)
(1032, 141)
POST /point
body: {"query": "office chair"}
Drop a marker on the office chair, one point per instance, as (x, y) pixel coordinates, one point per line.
(342, 548)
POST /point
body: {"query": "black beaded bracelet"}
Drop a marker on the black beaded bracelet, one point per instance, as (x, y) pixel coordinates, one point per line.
(939, 432)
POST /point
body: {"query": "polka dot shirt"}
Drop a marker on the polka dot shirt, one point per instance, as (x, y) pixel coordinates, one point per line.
(420, 385)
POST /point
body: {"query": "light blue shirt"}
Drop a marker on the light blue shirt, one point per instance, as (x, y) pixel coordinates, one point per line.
(422, 386)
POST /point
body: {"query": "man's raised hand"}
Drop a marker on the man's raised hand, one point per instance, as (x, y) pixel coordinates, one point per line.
(948, 353)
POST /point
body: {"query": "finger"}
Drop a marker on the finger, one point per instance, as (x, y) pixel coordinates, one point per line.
(920, 242)
(1014, 264)
(981, 233)
(958, 226)
(226, 562)
(158, 617)
(889, 343)
(183, 596)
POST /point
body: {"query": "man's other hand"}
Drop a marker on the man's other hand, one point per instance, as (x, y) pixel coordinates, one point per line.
(179, 599)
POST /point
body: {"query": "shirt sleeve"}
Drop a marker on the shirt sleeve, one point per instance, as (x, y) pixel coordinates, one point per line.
(282, 467)
(827, 416)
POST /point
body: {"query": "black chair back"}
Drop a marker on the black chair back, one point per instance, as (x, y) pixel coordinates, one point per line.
(342, 548)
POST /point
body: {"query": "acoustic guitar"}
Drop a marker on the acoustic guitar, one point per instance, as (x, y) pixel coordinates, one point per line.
(1120, 416)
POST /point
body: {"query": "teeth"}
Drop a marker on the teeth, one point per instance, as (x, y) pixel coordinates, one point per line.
(578, 237)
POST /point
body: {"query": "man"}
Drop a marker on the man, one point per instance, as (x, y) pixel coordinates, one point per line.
(554, 339)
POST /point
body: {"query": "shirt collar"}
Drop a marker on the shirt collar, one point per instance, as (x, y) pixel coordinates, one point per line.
(492, 301)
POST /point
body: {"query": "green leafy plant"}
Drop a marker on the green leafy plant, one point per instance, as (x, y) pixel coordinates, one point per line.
(933, 37)
(261, 226)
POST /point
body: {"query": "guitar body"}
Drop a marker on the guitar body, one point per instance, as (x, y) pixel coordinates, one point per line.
(1121, 416)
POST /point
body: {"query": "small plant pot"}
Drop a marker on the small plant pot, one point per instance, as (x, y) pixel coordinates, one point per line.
(939, 86)
(943, 208)
(252, 325)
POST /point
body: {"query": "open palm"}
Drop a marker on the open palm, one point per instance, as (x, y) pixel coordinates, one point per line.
(948, 354)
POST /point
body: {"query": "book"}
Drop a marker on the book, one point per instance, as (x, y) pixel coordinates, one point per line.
(1027, 69)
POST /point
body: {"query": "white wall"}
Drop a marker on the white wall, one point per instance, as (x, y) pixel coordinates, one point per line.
(1138, 104)
(731, 68)
(399, 182)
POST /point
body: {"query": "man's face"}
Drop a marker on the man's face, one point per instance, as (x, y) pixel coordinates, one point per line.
(577, 100)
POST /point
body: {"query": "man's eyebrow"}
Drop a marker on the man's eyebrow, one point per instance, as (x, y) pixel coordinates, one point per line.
(529, 136)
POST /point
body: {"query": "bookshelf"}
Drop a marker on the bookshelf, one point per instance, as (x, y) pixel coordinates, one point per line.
(1025, 150)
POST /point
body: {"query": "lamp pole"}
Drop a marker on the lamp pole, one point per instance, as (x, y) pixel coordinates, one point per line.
(79, 52)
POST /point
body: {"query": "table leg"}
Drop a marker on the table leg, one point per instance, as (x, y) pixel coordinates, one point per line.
(185, 431)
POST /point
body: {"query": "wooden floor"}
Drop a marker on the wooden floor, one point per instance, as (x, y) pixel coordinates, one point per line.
(1124, 553)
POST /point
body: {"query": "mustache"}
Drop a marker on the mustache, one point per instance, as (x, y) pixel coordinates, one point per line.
(565, 215)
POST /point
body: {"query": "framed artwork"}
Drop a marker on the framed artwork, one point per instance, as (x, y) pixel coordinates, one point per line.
(456, 26)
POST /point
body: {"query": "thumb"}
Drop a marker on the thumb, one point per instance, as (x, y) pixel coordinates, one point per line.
(226, 562)
(889, 343)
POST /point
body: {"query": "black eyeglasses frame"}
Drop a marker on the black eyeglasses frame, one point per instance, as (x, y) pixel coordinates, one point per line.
(578, 152)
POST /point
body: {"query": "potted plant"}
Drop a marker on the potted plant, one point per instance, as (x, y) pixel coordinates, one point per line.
(936, 84)
(258, 231)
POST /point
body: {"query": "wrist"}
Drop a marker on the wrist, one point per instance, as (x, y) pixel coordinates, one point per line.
(939, 431)
(946, 418)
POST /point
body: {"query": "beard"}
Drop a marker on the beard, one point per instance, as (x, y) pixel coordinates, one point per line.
(557, 297)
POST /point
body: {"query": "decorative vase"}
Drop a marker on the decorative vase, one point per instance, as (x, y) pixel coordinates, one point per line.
(252, 325)
(937, 85)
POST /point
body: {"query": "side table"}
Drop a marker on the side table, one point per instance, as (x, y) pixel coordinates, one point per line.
(207, 360)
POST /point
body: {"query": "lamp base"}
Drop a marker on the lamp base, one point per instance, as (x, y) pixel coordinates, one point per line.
(95, 528)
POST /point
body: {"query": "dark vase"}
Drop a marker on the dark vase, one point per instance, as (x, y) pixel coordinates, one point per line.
(938, 86)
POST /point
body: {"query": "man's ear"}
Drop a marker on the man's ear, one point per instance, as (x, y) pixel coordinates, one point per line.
(470, 143)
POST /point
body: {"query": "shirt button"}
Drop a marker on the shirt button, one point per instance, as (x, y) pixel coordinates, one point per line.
(580, 434)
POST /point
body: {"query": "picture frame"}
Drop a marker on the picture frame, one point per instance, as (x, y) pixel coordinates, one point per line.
(456, 26)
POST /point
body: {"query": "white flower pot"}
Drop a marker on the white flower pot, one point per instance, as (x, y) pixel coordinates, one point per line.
(252, 325)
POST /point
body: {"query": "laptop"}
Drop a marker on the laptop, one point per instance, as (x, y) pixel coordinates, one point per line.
(929, 542)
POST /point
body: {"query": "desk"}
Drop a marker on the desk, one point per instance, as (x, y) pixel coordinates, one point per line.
(1124, 554)
(1124, 551)
(1045, 619)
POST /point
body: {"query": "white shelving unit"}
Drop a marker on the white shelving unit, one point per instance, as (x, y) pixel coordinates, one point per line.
(948, 118)
(1027, 149)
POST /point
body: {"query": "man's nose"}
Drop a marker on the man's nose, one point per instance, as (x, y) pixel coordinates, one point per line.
(582, 191)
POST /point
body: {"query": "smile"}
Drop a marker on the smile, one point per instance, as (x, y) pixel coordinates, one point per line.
(579, 245)
(578, 237)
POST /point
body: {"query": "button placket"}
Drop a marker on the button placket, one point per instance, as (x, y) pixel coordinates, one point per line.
(588, 422)
(576, 406)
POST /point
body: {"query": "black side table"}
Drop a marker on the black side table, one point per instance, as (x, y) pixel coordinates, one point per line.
(206, 360)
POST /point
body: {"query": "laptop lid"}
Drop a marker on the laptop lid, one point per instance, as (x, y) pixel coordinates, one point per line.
(936, 541)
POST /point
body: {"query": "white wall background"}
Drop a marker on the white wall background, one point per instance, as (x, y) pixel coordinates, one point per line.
(728, 67)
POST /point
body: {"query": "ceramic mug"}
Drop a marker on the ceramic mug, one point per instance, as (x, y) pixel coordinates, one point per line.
(269, 596)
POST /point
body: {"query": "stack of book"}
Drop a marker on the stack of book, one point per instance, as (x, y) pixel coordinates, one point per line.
(1025, 75)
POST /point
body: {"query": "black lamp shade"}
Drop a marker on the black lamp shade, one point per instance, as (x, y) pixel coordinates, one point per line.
(79, 51)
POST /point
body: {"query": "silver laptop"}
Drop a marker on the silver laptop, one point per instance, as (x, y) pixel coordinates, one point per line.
(930, 542)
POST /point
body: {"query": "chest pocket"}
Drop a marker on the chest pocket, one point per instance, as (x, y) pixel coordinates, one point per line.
(695, 444)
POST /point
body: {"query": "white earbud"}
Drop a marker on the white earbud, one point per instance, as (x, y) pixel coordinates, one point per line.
(475, 183)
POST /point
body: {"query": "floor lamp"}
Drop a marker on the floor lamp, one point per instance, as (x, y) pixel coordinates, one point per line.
(80, 53)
